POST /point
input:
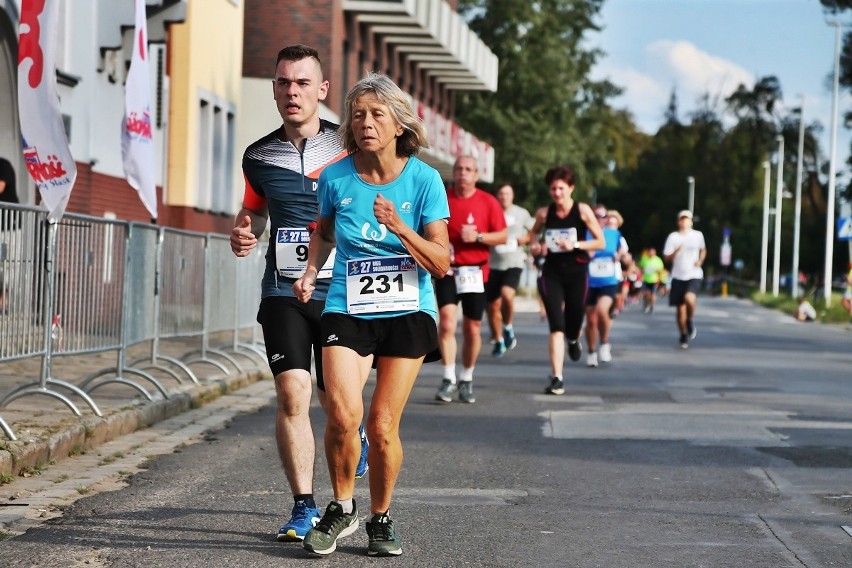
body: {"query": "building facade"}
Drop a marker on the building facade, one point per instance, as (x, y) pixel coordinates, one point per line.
(211, 64)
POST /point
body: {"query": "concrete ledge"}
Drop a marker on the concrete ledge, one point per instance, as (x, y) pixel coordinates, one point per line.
(52, 443)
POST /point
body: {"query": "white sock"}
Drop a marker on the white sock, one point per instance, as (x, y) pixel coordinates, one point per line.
(466, 374)
(508, 328)
(450, 373)
(346, 504)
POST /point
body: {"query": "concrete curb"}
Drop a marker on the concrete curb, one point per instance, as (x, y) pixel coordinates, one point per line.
(72, 435)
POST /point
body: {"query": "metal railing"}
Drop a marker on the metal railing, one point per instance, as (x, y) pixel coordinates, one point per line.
(88, 285)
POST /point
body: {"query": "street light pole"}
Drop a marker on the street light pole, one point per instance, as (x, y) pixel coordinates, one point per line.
(691, 206)
(797, 227)
(779, 189)
(764, 241)
(832, 172)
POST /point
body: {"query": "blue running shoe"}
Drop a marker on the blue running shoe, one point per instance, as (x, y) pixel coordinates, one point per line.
(499, 349)
(363, 466)
(302, 519)
(509, 339)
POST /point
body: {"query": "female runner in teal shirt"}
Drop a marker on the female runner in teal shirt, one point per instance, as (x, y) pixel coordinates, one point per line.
(386, 211)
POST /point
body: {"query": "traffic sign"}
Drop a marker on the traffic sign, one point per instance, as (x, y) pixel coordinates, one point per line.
(844, 229)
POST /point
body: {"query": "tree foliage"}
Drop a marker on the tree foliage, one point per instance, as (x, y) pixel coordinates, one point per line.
(546, 111)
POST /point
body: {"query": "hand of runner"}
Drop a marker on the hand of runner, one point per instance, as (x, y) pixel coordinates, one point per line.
(243, 240)
(385, 213)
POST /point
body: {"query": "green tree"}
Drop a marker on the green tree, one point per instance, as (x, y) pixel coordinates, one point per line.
(546, 111)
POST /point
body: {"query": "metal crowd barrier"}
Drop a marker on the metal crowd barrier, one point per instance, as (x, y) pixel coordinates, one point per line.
(89, 285)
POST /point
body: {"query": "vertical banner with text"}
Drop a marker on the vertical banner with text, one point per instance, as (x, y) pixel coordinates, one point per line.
(45, 145)
(137, 140)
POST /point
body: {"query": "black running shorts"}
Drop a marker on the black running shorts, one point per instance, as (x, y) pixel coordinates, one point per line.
(410, 336)
(473, 305)
(292, 330)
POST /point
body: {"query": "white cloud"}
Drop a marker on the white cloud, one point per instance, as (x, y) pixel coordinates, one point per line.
(668, 65)
(694, 71)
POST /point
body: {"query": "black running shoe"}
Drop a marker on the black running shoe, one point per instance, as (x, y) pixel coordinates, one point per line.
(690, 329)
(555, 387)
(684, 341)
(383, 540)
(575, 350)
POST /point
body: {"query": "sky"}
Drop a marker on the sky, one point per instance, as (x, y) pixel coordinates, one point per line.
(700, 46)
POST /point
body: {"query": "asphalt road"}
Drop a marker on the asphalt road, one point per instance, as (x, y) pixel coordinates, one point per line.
(736, 452)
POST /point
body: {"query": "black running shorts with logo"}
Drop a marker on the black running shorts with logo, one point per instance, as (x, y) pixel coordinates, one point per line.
(410, 336)
(510, 277)
(680, 288)
(291, 331)
(473, 304)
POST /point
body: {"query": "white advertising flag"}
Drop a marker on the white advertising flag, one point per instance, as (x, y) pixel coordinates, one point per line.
(46, 152)
(137, 141)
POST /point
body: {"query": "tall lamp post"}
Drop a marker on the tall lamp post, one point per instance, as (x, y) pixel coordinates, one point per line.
(797, 227)
(691, 206)
(764, 241)
(778, 201)
(832, 172)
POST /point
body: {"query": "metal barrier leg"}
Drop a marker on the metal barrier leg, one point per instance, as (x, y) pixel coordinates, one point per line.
(19, 393)
(7, 430)
(250, 352)
(216, 364)
(160, 368)
(119, 378)
(123, 381)
(183, 367)
(36, 388)
(205, 359)
(176, 362)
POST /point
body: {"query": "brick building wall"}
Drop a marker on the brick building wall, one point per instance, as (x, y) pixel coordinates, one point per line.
(270, 25)
(95, 194)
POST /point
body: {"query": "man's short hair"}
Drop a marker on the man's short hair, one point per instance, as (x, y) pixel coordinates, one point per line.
(297, 53)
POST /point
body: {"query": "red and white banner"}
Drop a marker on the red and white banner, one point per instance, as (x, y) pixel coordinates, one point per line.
(137, 140)
(46, 152)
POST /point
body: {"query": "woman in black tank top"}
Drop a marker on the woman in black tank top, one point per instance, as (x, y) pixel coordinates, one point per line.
(570, 231)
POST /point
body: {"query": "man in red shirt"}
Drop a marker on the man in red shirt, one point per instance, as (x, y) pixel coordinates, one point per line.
(476, 224)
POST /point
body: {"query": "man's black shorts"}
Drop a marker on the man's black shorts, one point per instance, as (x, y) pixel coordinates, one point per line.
(473, 305)
(510, 277)
(292, 331)
(680, 288)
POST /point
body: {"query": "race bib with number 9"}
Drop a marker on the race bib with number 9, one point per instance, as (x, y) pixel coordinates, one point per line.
(291, 254)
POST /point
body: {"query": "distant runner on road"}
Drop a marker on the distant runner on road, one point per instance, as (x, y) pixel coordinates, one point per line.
(686, 251)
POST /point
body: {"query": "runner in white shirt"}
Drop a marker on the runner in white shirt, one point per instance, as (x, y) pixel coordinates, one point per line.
(686, 251)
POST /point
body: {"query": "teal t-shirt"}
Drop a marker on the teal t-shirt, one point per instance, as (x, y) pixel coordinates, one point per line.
(419, 197)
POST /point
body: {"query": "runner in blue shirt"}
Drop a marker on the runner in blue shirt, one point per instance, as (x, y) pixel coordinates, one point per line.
(387, 212)
(604, 283)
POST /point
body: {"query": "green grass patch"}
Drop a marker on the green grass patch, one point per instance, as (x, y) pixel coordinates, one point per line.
(111, 458)
(835, 313)
(37, 469)
(6, 478)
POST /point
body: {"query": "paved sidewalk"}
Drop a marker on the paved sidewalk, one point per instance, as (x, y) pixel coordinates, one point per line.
(48, 431)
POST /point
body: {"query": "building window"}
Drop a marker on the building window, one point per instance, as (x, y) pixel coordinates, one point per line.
(215, 155)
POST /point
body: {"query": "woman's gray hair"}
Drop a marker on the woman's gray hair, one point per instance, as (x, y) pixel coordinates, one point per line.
(413, 136)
